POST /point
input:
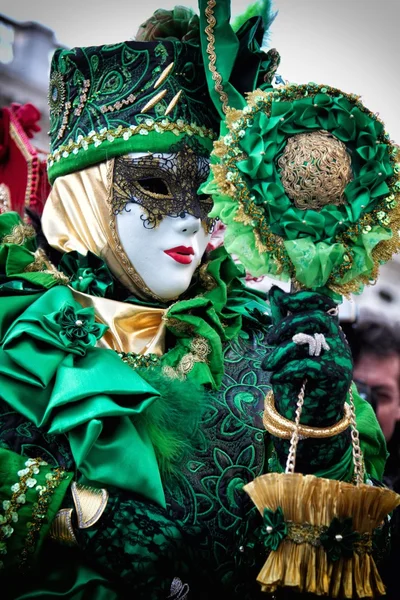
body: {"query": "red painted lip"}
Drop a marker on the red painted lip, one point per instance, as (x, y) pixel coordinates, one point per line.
(182, 254)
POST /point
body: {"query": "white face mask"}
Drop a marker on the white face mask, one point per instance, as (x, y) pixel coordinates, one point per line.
(164, 232)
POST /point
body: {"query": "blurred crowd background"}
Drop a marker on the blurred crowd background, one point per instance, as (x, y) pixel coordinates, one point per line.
(371, 320)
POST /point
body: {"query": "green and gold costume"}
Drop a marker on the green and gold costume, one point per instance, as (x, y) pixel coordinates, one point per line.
(161, 404)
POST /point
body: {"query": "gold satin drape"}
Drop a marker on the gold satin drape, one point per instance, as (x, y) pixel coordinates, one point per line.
(132, 328)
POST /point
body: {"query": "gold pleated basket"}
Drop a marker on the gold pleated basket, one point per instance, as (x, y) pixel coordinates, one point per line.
(304, 567)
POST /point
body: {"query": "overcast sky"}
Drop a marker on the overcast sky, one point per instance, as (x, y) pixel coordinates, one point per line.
(350, 44)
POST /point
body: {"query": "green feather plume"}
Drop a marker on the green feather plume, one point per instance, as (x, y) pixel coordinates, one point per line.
(173, 419)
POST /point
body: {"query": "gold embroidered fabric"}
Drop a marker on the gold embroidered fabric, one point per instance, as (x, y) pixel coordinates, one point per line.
(132, 328)
(42, 264)
(19, 234)
(200, 350)
(315, 169)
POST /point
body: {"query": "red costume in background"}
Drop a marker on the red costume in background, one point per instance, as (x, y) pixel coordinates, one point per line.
(23, 176)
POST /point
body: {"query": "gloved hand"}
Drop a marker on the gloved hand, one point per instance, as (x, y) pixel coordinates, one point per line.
(328, 375)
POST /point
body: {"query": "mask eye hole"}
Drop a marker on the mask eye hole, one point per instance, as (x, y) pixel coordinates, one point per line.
(154, 186)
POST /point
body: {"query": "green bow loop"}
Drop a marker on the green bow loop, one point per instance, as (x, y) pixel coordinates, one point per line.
(339, 539)
(76, 329)
(271, 196)
(88, 274)
(234, 62)
(18, 259)
(275, 529)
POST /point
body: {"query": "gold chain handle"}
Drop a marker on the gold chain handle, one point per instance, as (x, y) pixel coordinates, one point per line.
(358, 462)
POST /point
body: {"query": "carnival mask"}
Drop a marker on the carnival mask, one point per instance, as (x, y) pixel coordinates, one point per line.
(162, 222)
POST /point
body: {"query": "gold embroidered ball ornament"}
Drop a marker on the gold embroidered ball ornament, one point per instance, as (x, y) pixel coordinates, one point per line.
(306, 180)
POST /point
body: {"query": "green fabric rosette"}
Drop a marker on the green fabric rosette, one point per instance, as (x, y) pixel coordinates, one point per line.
(76, 329)
(88, 274)
(335, 248)
(275, 529)
(339, 539)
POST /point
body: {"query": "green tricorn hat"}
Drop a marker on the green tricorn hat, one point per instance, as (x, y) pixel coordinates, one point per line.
(152, 94)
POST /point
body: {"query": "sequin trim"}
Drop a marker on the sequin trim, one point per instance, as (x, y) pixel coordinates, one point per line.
(31, 162)
(39, 513)
(5, 198)
(305, 533)
(137, 361)
(149, 125)
(18, 498)
(212, 57)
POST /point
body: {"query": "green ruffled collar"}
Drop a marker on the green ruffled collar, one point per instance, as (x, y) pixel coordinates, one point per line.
(209, 314)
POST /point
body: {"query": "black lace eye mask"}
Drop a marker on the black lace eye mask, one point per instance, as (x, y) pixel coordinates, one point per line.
(163, 185)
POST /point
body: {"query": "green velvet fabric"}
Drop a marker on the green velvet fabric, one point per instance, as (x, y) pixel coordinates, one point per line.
(328, 378)
(117, 105)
